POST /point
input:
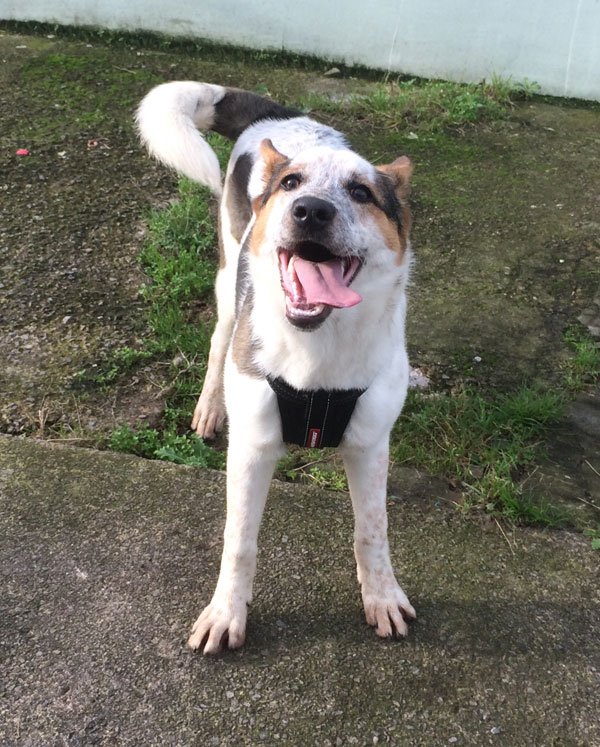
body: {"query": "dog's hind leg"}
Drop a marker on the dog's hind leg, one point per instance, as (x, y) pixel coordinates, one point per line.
(386, 605)
(209, 414)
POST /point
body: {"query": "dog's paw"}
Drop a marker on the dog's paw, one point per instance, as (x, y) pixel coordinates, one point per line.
(388, 611)
(219, 626)
(209, 415)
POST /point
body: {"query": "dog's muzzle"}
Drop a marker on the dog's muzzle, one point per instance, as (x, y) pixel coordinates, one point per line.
(315, 280)
(315, 276)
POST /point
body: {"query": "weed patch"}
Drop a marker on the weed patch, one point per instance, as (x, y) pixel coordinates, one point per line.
(594, 535)
(583, 368)
(312, 466)
(122, 360)
(484, 445)
(180, 260)
(165, 445)
(426, 105)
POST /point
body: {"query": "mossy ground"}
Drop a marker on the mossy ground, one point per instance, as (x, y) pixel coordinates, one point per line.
(505, 229)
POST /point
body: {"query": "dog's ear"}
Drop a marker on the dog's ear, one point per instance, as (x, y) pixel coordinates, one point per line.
(275, 162)
(399, 172)
(272, 158)
(394, 183)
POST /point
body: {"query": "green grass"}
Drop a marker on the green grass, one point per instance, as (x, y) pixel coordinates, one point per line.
(312, 466)
(72, 82)
(594, 535)
(584, 366)
(427, 105)
(166, 445)
(180, 259)
(485, 445)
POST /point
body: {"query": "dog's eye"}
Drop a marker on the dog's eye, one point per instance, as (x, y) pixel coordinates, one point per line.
(291, 181)
(360, 193)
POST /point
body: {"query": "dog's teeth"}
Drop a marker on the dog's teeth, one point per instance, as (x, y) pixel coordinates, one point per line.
(313, 311)
(291, 263)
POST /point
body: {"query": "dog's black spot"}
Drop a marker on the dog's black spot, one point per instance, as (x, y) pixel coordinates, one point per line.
(237, 203)
(238, 109)
(388, 199)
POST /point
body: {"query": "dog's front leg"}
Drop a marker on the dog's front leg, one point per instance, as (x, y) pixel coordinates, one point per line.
(386, 605)
(223, 622)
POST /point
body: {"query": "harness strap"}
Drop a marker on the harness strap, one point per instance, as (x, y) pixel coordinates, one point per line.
(314, 418)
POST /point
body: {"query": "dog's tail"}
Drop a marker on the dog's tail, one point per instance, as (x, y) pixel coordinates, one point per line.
(171, 115)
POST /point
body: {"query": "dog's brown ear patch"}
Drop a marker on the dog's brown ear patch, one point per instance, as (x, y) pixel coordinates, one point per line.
(399, 172)
(275, 162)
(272, 158)
(393, 186)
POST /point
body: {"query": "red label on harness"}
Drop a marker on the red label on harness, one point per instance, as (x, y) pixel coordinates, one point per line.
(314, 438)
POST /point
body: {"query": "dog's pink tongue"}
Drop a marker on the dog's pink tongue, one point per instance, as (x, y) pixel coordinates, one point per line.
(323, 282)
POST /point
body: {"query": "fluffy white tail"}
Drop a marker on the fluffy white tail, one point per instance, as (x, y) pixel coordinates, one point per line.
(168, 120)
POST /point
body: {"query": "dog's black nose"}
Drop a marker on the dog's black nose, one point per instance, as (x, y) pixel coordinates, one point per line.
(312, 212)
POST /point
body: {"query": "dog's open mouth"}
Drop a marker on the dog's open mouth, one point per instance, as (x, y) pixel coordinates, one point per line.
(315, 280)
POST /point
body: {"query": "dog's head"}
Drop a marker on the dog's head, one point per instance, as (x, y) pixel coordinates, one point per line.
(328, 215)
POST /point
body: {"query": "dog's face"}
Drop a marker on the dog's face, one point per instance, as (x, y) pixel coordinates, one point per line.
(324, 217)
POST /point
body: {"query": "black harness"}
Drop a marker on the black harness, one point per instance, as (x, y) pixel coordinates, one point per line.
(314, 418)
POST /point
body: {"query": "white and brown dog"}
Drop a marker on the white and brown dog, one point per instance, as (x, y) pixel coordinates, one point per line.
(309, 344)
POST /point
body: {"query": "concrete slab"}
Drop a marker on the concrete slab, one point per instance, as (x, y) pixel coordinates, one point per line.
(106, 559)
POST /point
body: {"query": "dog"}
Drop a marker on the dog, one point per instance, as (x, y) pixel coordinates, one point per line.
(309, 345)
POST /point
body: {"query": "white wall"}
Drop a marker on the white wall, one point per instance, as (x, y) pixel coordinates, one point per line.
(553, 42)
